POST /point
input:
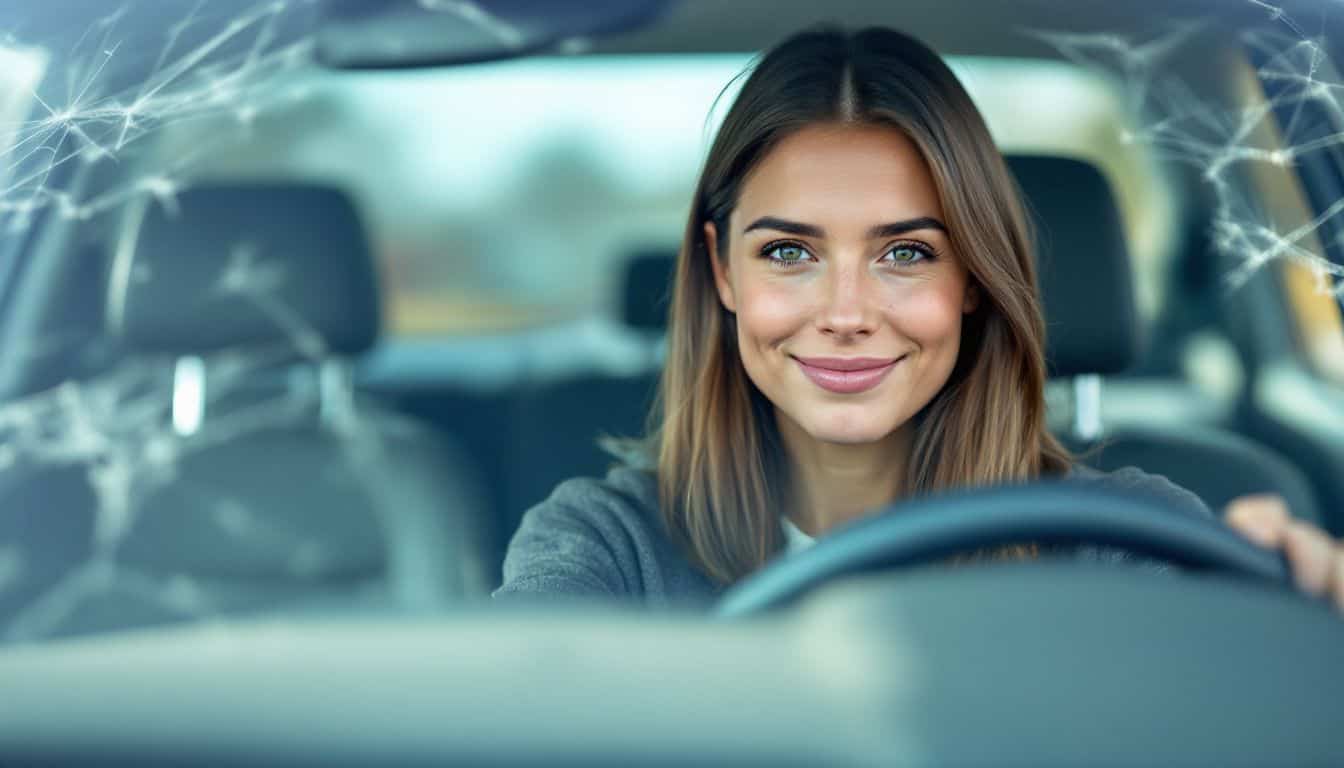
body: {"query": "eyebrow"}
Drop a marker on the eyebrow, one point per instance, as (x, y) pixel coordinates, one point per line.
(891, 229)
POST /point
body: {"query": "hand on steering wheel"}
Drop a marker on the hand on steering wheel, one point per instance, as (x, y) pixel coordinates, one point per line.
(1316, 561)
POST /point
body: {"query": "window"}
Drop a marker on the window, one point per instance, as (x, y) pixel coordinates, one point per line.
(508, 195)
(20, 71)
(1319, 325)
(1315, 311)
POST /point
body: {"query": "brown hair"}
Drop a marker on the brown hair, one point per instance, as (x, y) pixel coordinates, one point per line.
(719, 459)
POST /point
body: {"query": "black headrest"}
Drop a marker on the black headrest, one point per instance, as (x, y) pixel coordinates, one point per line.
(246, 265)
(647, 288)
(1083, 266)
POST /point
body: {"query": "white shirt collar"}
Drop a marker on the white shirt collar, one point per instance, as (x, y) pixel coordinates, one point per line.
(794, 539)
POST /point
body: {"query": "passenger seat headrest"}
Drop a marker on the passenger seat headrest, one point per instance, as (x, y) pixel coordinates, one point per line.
(246, 265)
(1082, 264)
(648, 288)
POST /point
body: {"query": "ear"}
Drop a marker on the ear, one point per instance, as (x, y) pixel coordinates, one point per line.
(972, 299)
(721, 275)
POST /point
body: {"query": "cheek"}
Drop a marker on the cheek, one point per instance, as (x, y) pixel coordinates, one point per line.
(769, 312)
(928, 315)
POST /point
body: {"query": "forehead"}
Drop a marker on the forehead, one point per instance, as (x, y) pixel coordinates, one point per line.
(837, 175)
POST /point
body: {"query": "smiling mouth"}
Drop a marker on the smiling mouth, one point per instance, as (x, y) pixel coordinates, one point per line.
(847, 376)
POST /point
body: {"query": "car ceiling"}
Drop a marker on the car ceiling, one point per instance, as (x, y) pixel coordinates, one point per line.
(960, 27)
(954, 27)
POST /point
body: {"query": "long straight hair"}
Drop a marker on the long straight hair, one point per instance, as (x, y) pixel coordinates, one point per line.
(720, 464)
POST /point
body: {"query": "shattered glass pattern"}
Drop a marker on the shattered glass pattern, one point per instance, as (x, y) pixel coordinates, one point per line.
(1181, 126)
(117, 429)
(233, 71)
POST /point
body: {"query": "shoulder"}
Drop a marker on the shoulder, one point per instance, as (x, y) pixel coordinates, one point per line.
(1135, 480)
(599, 537)
(620, 511)
(625, 491)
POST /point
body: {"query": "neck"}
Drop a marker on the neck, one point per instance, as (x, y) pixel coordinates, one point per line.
(834, 483)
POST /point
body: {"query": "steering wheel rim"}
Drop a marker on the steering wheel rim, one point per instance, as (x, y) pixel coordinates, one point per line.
(1059, 512)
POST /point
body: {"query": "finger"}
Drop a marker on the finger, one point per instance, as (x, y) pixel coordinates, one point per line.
(1262, 518)
(1311, 554)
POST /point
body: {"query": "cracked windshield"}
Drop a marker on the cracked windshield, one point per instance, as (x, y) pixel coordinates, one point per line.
(302, 308)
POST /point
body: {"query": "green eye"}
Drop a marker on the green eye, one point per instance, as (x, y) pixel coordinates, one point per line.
(906, 254)
(787, 254)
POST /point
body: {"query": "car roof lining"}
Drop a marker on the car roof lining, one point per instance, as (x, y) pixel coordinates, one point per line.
(953, 27)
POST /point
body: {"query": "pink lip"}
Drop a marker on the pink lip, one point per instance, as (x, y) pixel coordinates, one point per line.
(846, 375)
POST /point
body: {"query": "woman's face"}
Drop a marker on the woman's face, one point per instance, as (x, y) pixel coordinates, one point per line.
(848, 297)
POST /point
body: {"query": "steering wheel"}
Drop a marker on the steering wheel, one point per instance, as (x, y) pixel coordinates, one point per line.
(1060, 512)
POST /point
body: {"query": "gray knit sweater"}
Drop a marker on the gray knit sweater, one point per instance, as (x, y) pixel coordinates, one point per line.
(605, 539)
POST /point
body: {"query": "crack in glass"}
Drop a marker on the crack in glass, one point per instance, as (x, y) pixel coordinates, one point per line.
(116, 428)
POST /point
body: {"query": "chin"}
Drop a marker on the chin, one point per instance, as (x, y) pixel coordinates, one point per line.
(850, 428)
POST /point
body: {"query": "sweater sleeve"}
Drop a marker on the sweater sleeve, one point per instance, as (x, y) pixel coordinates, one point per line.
(581, 541)
(556, 551)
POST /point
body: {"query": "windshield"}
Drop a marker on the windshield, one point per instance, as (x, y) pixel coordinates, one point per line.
(517, 221)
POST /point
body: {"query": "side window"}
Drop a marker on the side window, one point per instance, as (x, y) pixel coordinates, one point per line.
(1320, 327)
(1308, 292)
(20, 70)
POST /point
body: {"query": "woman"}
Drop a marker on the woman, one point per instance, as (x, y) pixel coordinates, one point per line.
(854, 321)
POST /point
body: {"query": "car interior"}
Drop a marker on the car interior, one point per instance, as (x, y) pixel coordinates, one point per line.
(237, 383)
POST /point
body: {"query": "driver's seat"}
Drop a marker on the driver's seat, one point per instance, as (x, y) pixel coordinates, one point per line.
(1093, 330)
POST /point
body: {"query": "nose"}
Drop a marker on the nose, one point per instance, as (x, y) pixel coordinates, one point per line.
(847, 311)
